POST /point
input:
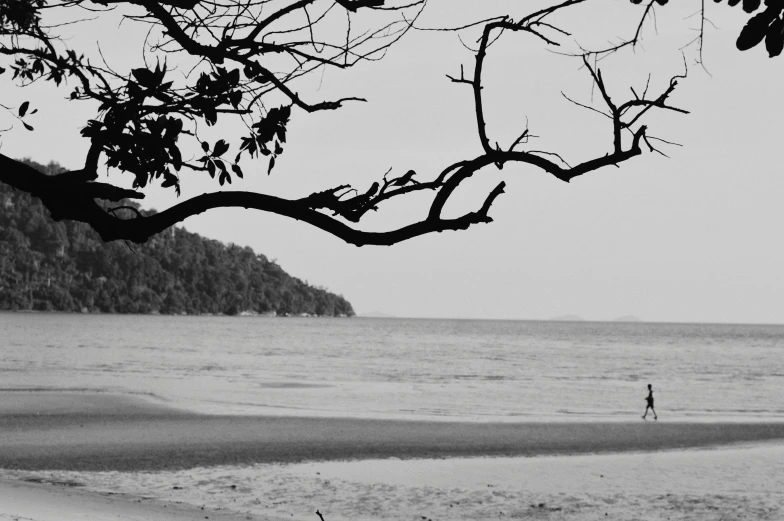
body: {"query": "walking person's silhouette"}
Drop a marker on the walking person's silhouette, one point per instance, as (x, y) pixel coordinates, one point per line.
(649, 402)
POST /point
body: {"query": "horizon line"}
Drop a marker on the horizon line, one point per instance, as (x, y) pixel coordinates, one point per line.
(576, 320)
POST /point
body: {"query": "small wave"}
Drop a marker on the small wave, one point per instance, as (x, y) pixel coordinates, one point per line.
(293, 385)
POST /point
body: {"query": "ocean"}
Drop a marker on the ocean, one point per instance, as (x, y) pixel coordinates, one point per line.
(470, 370)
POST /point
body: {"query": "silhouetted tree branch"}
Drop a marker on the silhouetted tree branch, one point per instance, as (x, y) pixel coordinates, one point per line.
(249, 55)
(767, 25)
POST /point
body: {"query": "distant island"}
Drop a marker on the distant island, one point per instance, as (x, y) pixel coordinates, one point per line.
(628, 318)
(64, 266)
(566, 318)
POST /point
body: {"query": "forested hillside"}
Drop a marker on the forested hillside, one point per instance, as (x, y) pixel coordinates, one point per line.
(64, 266)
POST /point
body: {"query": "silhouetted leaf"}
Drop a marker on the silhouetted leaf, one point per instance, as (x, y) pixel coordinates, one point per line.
(210, 115)
(159, 73)
(271, 165)
(236, 169)
(774, 38)
(23, 109)
(750, 5)
(234, 76)
(753, 32)
(211, 169)
(205, 146)
(144, 77)
(235, 98)
(173, 128)
(220, 148)
(278, 148)
(176, 157)
(28, 127)
(168, 180)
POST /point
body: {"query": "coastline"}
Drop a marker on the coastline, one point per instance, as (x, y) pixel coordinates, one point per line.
(20, 500)
(103, 432)
(104, 457)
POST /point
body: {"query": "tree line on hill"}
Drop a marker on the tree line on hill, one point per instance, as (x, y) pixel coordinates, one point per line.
(64, 266)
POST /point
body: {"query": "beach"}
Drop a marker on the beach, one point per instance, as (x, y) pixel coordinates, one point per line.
(45, 430)
(133, 455)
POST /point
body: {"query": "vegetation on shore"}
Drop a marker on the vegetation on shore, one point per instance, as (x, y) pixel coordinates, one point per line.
(65, 266)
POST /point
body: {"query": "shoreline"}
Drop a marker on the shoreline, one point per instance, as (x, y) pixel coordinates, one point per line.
(103, 432)
(23, 500)
(114, 457)
(740, 482)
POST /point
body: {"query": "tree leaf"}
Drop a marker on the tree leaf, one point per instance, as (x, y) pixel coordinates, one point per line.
(144, 77)
(774, 38)
(210, 115)
(28, 127)
(168, 180)
(235, 97)
(220, 148)
(211, 169)
(173, 129)
(205, 146)
(234, 76)
(236, 169)
(753, 32)
(271, 165)
(176, 157)
(23, 109)
(751, 5)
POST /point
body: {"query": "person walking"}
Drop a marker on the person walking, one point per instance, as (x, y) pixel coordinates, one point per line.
(649, 402)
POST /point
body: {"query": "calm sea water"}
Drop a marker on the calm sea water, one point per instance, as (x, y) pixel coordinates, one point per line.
(401, 368)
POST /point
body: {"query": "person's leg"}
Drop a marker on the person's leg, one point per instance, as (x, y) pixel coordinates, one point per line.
(655, 417)
(646, 412)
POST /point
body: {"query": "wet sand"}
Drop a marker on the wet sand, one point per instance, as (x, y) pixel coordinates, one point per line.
(102, 432)
(20, 501)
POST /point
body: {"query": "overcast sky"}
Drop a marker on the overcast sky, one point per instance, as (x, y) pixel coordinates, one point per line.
(696, 237)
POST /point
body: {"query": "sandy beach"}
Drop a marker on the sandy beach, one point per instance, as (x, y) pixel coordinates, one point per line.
(94, 432)
(111, 451)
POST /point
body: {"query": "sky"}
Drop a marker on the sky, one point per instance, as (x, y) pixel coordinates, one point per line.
(695, 237)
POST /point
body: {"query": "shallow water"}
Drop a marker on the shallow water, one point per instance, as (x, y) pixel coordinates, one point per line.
(442, 369)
